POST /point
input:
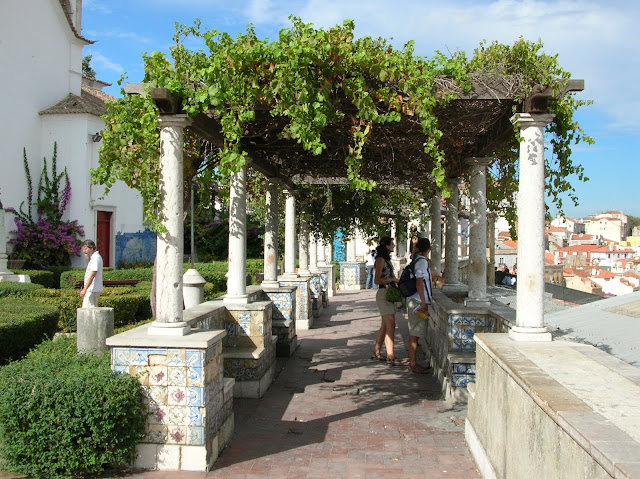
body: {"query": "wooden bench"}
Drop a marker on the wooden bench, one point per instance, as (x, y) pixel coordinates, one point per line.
(110, 282)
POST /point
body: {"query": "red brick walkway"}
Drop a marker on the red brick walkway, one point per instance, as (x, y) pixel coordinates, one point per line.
(334, 413)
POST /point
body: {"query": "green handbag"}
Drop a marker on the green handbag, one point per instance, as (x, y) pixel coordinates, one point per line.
(393, 294)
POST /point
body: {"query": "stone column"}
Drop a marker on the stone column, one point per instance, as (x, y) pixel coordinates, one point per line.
(3, 245)
(351, 249)
(436, 234)
(237, 274)
(491, 245)
(290, 235)
(394, 237)
(478, 233)
(401, 241)
(313, 254)
(531, 208)
(322, 252)
(329, 251)
(271, 235)
(170, 244)
(303, 238)
(451, 245)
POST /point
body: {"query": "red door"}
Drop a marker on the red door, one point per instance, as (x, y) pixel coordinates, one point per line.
(103, 240)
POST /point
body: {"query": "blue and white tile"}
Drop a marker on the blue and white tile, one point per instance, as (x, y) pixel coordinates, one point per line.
(195, 435)
(195, 397)
(176, 357)
(195, 358)
(120, 356)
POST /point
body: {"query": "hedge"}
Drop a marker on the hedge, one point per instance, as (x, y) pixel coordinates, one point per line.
(130, 305)
(23, 325)
(49, 278)
(66, 415)
(17, 290)
(214, 273)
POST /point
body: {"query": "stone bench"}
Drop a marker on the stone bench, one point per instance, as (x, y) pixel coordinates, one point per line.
(554, 409)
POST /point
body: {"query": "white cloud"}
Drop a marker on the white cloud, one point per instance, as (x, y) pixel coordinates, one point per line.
(100, 62)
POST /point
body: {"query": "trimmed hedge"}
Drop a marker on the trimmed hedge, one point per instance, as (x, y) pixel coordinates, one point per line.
(213, 273)
(17, 290)
(130, 305)
(64, 415)
(23, 325)
(49, 278)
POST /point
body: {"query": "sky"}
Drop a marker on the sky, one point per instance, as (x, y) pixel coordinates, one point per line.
(596, 41)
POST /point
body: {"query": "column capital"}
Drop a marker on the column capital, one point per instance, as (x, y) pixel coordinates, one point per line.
(526, 120)
(182, 121)
(478, 160)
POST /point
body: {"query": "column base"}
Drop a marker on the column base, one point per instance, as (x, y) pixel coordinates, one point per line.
(158, 328)
(520, 333)
(477, 302)
(270, 284)
(236, 299)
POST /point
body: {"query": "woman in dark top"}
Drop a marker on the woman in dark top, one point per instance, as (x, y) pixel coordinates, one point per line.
(384, 276)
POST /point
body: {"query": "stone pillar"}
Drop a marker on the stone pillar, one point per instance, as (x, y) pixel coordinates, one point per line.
(491, 245)
(531, 209)
(3, 245)
(322, 252)
(478, 233)
(271, 236)
(451, 245)
(436, 234)
(401, 240)
(303, 239)
(394, 237)
(290, 235)
(329, 252)
(237, 274)
(94, 326)
(351, 249)
(313, 255)
(170, 244)
(193, 284)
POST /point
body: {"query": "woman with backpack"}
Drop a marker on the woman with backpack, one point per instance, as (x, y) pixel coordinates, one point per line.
(384, 278)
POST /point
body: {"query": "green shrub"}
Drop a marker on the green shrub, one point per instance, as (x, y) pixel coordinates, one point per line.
(66, 415)
(23, 325)
(68, 279)
(17, 290)
(46, 278)
(130, 304)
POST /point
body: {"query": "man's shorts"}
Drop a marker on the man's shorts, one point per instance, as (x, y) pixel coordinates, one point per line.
(417, 327)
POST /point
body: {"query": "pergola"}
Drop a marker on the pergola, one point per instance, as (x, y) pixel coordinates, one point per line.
(474, 125)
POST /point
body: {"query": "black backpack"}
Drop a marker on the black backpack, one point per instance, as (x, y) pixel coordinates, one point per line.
(407, 282)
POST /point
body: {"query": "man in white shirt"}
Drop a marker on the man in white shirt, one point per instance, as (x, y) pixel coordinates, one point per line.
(371, 264)
(418, 303)
(92, 286)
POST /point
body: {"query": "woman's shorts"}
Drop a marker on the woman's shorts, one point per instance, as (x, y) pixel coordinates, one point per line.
(384, 306)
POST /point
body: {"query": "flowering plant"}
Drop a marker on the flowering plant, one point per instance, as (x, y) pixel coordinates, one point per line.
(46, 240)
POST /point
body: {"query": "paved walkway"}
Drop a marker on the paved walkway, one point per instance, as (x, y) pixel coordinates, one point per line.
(334, 413)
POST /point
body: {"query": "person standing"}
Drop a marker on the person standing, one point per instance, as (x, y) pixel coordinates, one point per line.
(418, 304)
(92, 286)
(384, 277)
(371, 266)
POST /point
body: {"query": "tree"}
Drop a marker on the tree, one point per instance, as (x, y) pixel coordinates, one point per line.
(86, 67)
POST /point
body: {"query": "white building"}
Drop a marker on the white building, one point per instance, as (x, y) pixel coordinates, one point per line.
(45, 102)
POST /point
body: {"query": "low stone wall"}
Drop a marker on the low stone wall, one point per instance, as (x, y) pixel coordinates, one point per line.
(353, 275)
(553, 410)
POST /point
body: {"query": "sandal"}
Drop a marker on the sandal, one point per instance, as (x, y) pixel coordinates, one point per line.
(396, 362)
(378, 356)
(417, 369)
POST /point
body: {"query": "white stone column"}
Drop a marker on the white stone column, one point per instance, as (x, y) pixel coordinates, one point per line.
(329, 251)
(451, 239)
(322, 252)
(3, 245)
(303, 239)
(351, 249)
(170, 244)
(313, 254)
(401, 240)
(394, 237)
(290, 235)
(237, 274)
(271, 235)
(531, 208)
(491, 245)
(436, 234)
(478, 232)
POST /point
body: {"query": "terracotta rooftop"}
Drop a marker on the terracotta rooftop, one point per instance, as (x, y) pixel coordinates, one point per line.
(91, 101)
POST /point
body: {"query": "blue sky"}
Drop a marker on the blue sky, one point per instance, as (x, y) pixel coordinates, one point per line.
(596, 41)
